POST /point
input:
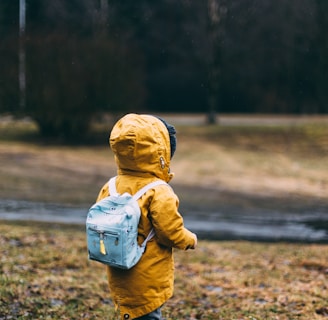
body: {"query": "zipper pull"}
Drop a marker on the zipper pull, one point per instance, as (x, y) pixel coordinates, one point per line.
(102, 248)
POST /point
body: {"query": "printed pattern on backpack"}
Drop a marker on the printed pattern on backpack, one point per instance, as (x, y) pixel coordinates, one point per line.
(112, 228)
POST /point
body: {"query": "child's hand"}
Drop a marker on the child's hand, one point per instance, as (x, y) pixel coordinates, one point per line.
(195, 241)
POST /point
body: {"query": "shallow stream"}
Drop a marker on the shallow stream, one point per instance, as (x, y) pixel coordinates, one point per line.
(255, 224)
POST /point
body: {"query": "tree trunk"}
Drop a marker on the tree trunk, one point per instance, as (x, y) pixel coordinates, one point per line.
(21, 56)
(216, 11)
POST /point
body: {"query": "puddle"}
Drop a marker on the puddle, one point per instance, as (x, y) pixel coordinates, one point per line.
(261, 225)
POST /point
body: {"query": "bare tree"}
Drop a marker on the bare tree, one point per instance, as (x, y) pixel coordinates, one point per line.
(216, 12)
(21, 55)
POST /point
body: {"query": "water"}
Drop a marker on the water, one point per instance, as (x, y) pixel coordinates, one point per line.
(255, 224)
(262, 225)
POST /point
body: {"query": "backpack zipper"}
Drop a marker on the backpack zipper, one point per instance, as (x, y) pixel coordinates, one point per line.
(102, 234)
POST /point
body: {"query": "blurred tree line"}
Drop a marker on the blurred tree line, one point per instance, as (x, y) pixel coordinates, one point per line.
(85, 57)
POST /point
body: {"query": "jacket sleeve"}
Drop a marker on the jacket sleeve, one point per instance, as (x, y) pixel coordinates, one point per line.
(168, 222)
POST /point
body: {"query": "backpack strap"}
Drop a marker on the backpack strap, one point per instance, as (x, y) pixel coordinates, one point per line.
(112, 185)
(136, 196)
(147, 187)
(150, 235)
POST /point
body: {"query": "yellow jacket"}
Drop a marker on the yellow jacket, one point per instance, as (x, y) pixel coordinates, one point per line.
(141, 147)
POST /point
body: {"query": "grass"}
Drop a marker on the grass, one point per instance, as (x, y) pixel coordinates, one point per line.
(44, 270)
(45, 274)
(281, 161)
(261, 159)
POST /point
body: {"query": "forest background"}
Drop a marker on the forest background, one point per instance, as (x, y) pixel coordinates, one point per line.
(66, 62)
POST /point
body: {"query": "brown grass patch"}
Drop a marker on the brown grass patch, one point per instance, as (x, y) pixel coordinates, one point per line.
(283, 161)
(45, 274)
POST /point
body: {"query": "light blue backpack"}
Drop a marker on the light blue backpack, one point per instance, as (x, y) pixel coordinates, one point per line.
(112, 228)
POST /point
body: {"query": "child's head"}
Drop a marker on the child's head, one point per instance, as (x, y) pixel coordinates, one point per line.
(143, 144)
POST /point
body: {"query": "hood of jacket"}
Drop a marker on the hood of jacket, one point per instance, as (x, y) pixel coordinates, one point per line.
(141, 145)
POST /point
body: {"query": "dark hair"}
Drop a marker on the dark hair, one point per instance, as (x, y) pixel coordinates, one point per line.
(173, 138)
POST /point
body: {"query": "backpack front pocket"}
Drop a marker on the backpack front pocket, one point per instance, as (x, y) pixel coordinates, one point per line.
(104, 245)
